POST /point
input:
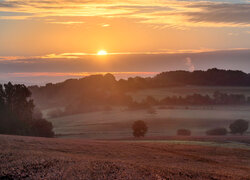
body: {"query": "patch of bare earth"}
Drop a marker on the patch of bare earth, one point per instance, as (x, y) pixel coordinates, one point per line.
(41, 158)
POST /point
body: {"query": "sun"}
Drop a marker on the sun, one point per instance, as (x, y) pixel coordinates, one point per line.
(102, 53)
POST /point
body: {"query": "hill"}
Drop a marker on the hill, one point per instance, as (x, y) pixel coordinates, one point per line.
(41, 158)
(105, 89)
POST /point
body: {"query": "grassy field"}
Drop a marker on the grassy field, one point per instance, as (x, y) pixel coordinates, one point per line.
(161, 93)
(117, 123)
(41, 158)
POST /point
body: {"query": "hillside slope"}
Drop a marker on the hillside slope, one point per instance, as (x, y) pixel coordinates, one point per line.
(41, 158)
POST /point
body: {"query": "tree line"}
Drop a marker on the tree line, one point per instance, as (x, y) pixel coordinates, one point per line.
(96, 89)
(218, 98)
(98, 92)
(18, 114)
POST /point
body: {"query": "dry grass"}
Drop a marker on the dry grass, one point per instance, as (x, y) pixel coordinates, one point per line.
(41, 158)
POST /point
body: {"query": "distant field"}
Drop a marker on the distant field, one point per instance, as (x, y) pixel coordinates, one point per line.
(41, 158)
(161, 93)
(117, 123)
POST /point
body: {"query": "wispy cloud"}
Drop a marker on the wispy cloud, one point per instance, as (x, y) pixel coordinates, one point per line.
(173, 13)
(79, 55)
(66, 22)
(75, 74)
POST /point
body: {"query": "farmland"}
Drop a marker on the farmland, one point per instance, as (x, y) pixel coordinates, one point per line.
(41, 158)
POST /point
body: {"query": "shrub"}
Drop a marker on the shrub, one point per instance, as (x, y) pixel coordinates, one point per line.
(217, 132)
(239, 126)
(42, 128)
(139, 128)
(183, 132)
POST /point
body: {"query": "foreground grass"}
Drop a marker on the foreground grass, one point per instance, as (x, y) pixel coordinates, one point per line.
(41, 158)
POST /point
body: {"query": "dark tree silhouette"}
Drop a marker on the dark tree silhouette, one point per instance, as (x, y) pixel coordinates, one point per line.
(139, 128)
(239, 126)
(16, 113)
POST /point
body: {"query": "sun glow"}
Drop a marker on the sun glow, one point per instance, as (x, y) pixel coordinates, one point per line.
(102, 53)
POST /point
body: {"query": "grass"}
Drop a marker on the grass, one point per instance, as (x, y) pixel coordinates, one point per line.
(41, 158)
(117, 123)
(225, 144)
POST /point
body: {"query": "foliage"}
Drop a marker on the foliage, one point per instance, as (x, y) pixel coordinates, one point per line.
(17, 115)
(217, 132)
(239, 126)
(139, 128)
(95, 92)
(183, 132)
(105, 89)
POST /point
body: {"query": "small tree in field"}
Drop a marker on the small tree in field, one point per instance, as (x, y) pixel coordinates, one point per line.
(239, 126)
(139, 128)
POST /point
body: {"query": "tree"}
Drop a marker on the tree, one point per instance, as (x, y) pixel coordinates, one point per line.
(42, 128)
(139, 128)
(17, 114)
(239, 126)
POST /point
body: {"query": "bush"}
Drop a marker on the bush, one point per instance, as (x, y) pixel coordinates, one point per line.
(217, 132)
(42, 128)
(183, 132)
(239, 126)
(139, 128)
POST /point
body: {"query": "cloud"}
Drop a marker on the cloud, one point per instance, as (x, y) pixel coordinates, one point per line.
(66, 22)
(58, 69)
(172, 13)
(227, 14)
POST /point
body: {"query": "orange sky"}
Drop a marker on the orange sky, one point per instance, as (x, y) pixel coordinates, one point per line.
(30, 27)
(72, 29)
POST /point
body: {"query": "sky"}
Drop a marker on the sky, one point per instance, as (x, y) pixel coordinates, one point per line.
(49, 41)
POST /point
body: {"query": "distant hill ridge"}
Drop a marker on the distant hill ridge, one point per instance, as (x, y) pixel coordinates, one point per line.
(95, 87)
(211, 77)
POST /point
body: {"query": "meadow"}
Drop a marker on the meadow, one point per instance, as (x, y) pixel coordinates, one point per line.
(117, 122)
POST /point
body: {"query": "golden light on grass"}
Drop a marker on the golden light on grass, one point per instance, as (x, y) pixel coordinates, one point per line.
(102, 53)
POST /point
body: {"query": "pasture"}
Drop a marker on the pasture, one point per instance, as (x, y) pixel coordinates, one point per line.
(117, 123)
